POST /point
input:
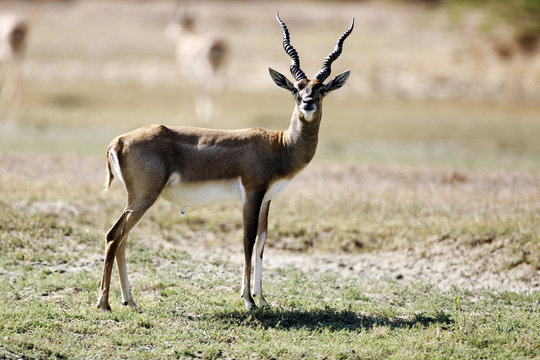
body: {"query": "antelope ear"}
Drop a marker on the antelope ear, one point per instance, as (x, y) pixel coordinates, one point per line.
(337, 82)
(280, 80)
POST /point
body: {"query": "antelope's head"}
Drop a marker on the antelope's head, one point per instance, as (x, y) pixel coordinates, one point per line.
(309, 93)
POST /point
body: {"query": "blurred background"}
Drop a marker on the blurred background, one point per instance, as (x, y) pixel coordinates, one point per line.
(438, 83)
(430, 152)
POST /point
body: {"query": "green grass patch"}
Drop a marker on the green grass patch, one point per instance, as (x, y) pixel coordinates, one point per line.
(190, 308)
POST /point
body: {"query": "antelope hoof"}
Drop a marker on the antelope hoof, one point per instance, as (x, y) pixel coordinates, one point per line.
(104, 307)
(131, 304)
(250, 305)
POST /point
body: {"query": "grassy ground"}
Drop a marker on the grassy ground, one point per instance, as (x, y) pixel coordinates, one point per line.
(186, 276)
(190, 307)
(414, 234)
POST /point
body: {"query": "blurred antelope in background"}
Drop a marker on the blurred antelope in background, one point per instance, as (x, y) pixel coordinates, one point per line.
(195, 166)
(200, 57)
(13, 37)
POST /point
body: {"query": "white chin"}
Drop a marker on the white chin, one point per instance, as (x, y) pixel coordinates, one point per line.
(308, 114)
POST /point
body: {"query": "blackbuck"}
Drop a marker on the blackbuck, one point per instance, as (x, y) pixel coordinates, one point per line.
(13, 37)
(201, 58)
(194, 166)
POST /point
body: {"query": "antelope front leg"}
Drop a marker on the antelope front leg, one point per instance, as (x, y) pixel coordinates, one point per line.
(259, 246)
(252, 208)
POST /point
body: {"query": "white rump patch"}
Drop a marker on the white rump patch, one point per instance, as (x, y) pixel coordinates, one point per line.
(113, 160)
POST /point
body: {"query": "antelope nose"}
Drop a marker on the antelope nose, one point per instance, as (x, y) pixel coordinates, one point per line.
(308, 101)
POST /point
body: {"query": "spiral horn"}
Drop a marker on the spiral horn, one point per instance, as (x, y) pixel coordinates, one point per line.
(327, 63)
(289, 49)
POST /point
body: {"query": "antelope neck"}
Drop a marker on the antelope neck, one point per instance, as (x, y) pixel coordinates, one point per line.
(300, 140)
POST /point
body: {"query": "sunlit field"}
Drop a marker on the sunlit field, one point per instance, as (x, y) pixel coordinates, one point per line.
(83, 118)
(413, 233)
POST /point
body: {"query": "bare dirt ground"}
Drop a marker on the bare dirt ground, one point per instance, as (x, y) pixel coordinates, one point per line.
(444, 266)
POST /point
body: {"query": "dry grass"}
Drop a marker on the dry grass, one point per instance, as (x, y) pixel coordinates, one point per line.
(486, 217)
(82, 91)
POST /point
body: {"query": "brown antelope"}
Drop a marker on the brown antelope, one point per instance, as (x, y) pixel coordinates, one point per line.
(194, 166)
(13, 36)
(200, 58)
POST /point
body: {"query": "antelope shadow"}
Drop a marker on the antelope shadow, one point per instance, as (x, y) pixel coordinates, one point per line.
(328, 318)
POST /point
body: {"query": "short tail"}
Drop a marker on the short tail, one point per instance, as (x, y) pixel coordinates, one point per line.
(112, 162)
(110, 175)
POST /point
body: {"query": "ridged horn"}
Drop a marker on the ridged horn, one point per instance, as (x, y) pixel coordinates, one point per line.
(289, 49)
(327, 63)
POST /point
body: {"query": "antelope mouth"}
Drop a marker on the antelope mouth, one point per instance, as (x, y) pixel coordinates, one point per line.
(308, 111)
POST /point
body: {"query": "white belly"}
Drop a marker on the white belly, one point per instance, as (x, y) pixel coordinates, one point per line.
(275, 189)
(200, 194)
